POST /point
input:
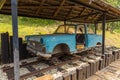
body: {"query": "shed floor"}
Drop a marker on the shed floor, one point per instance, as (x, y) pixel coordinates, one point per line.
(112, 72)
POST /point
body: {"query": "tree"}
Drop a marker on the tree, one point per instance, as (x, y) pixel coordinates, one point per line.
(111, 26)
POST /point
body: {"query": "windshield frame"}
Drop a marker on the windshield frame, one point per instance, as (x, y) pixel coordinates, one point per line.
(66, 30)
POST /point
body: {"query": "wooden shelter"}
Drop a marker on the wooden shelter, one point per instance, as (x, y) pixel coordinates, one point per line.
(81, 11)
(84, 11)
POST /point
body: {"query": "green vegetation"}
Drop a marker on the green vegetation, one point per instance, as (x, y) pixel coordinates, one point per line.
(28, 26)
(115, 3)
(113, 26)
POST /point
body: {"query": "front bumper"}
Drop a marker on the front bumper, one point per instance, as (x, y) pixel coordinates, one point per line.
(38, 53)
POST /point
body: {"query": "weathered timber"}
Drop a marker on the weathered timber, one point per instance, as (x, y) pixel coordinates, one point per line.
(5, 47)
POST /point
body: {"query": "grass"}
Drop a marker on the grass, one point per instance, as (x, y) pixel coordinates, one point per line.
(113, 39)
(27, 26)
(27, 30)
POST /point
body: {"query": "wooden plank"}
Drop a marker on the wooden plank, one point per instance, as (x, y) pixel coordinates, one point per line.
(97, 66)
(115, 55)
(11, 48)
(20, 48)
(87, 71)
(74, 76)
(72, 72)
(66, 75)
(94, 71)
(103, 63)
(25, 52)
(61, 4)
(45, 77)
(39, 8)
(79, 73)
(82, 11)
(5, 47)
(106, 60)
(2, 47)
(70, 12)
(58, 76)
(2, 2)
(91, 68)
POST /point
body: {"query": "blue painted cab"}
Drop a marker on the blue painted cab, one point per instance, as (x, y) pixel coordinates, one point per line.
(92, 40)
(64, 40)
(51, 41)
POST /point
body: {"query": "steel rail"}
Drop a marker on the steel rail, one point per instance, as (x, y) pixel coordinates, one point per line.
(48, 68)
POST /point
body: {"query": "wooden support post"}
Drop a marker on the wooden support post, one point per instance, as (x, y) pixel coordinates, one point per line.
(15, 39)
(103, 33)
(96, 25)
(65, 25)
(65, 22)
(5, 48)
(85, 29)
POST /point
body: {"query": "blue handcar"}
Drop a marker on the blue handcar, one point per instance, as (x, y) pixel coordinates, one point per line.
(66, 39)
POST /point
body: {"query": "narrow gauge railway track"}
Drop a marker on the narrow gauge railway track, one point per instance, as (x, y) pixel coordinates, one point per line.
(23, 65)
(49, 68)
(57, 63)
(10, 70)
(50, 62)
(66, 59)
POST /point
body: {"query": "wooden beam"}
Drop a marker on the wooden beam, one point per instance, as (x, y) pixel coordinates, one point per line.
(87, 17)
(84, 16)
(69, 13)
(48, 6)
(28, 1)
(96, 27)
(82, 11)
(87, 6)
(107, 7)
(61, 4)
(2, 2)
(15, 39)
(39, 8)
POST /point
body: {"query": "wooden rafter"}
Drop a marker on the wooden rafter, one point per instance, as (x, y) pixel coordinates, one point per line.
(82, 11)
(96, 16)
(84, 16)
(34, 7)
(2, 3)
(28, 1)
(39, 8)
(99, 18)
(70, 11)
(61, 4)
(87, 17)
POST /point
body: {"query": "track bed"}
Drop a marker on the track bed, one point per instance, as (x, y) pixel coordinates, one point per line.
(80, 66)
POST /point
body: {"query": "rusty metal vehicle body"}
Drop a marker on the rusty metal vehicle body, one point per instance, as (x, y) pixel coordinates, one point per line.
(65, 39)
